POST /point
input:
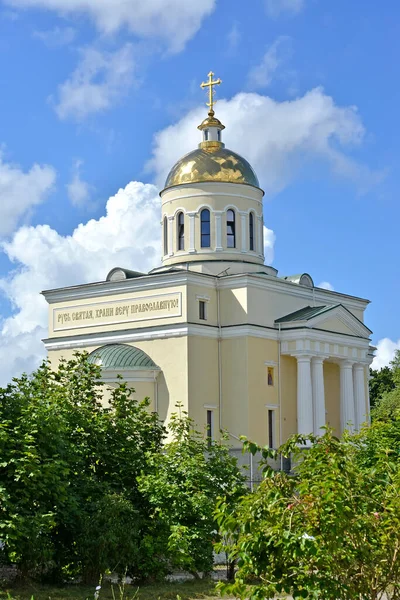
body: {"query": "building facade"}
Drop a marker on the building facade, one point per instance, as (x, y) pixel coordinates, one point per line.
(214, 328)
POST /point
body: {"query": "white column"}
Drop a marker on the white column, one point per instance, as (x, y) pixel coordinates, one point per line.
(260, 237)
(360, 401)
(171, 236)
(318, 394)
(304, 396)
(243, 216)
(218, 231)
(346, 396)
(192, 246)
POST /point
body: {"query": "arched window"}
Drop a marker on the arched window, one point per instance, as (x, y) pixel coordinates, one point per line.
(181, 231)
(251, 231)
(206, 135)
(230, 229)
(165, 236)
(205, 241)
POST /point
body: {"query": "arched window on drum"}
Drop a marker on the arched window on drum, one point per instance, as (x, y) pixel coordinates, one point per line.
(251, 231)
(165, 235)
(181, 231)
(230, 229)
(205, 233)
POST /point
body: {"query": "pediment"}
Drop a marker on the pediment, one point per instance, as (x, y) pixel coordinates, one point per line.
(335, 319)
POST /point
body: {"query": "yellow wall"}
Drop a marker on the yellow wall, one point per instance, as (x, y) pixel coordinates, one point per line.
(289, 396)
(332, 394)
(260, 393)
(234, 388)
(203, 381)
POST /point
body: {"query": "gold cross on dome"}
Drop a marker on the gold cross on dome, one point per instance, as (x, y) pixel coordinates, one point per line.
(211, 92)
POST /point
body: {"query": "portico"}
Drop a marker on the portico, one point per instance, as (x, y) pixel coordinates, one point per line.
(304, 337)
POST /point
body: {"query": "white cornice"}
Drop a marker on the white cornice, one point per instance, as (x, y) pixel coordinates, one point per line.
(293, 289)
(185, 329)
(324, 337)
(138, 284)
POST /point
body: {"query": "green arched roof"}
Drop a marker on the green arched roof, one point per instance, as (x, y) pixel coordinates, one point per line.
(121, 356)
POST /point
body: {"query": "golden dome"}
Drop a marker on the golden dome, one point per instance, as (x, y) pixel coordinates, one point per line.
(212, 162)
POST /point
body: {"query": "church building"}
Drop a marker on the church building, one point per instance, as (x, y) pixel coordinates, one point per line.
(214, 328)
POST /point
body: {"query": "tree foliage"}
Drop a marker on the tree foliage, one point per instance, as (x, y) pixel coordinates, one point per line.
(87, 483)
(330, 531)
(182, 487)
(69, 500)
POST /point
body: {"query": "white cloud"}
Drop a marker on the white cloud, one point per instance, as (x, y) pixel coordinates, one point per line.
(56, 37)
(79, 191)
(173, 21)
(100, 80)
(385, 350)
(325, 285)
(21, 190)
(277, 7)
(128, 236)
(277, 138)
(269, 242)
(233, 38)
(261, 75)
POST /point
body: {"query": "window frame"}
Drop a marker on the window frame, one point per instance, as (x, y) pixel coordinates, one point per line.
(210, 427)
(271, 427)
(165, 232)
(231, 223)
(202, 310)
(203, 221)
(180, 231)
(251, 232)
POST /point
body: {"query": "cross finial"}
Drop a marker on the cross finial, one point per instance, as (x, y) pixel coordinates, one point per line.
(211, 92)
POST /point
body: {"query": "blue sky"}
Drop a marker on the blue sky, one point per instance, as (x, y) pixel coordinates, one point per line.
(97, 94)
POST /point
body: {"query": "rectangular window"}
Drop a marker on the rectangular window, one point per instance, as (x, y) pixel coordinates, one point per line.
(271, 423)
(202, 310)
(209, 427)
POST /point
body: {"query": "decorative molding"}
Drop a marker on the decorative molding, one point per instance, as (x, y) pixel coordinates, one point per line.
(202, 194)
(293, 289)
(138, 284)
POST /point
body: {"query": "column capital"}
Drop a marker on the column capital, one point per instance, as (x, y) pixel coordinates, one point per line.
(319, 358)
(346, 364)
(192, 213)
(171, 218)
(359, 366)
(302, 357)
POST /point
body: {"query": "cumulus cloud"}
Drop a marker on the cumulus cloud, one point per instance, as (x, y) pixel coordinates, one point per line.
(261, 75)
(269, 242)
(173, 21)
(56, 37)
(100, 80)
(21, 190)
(385, 350)
(276, 8)
(276, 137)
(78, 190)
(325, 285)
(128, 235)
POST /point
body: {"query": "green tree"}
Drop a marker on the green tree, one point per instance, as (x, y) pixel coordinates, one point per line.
(182, 487)
(331, 531)
(387, 405)
(69, 467)
(381, 381)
